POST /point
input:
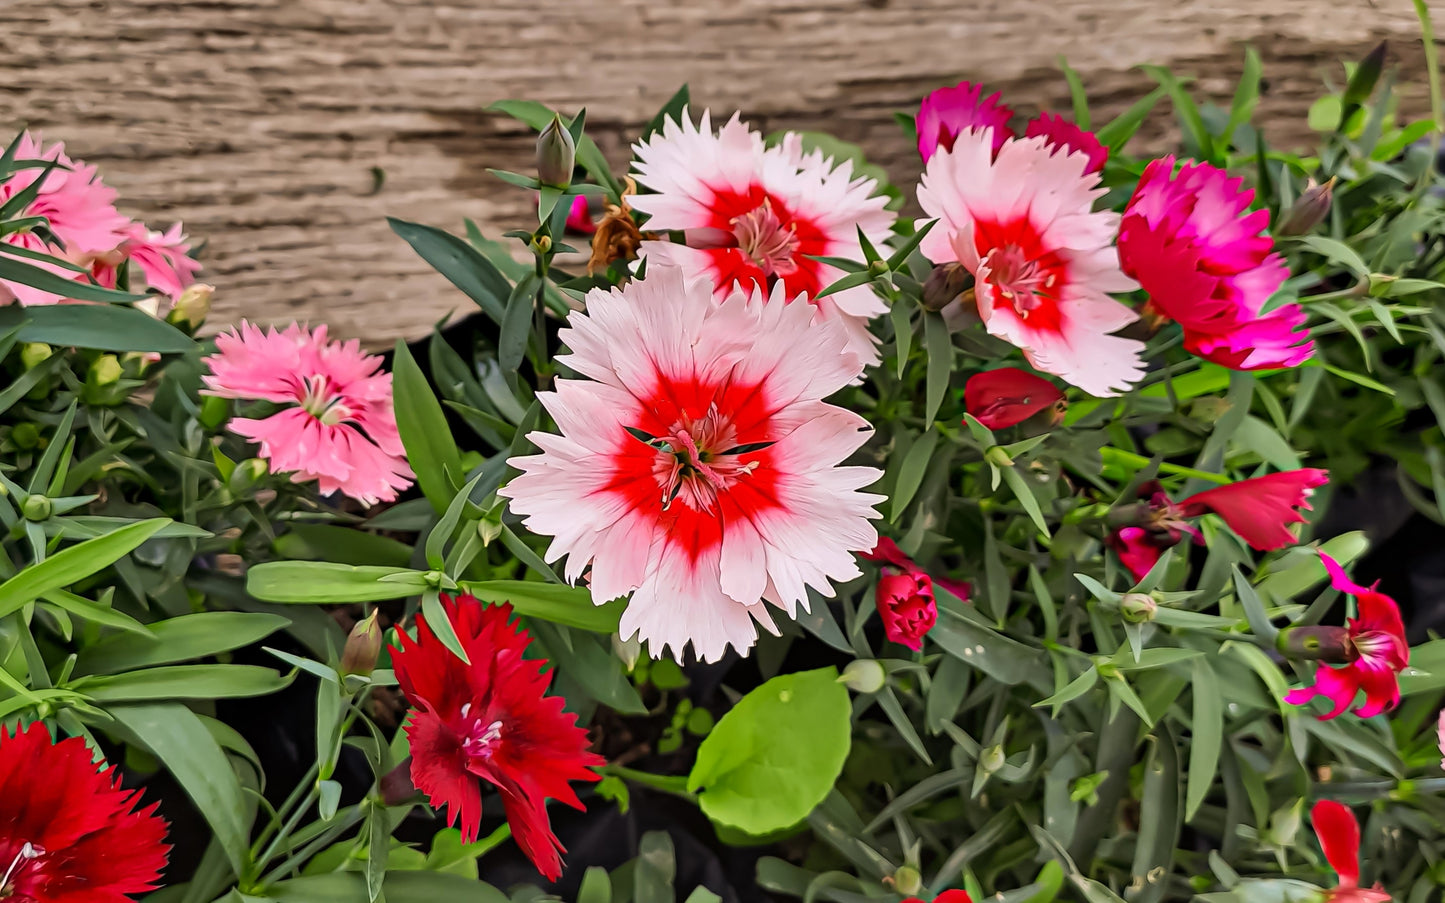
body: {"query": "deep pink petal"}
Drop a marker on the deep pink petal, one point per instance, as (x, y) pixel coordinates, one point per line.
(1339, 834)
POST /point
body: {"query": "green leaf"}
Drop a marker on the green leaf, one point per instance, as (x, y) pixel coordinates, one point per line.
(342, 545)
(183, 682)
(571, 606)
(1002, 658)
(1206, 731)
(103, 328)
(1189, 117)
(327, 582)
(1335, 251)
(177, 640)
(96, 612)
(446, 525)
(430, 449)
(602, 675)
(901, 315)
(516, 329)
(1071, 691)
(378, 846)
(441, 625)
(1246, 96)
(1076, 94)
(775, 755)
(656, 868)
(462, 264)
(670, 110)
(1158, 820)
(1117, 132)
(910, 475)
(940, 363)
(75, 289)
(74, 563)
(1025, 494)
(176, 736)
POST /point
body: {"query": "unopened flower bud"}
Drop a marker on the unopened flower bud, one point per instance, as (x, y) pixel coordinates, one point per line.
(489, 530)
(992, 759)
(36, 508)
(193, 306)
(247, 474)
(863, 676)
(1309, 211)
(1138, 607)
(33, 354)
(556, 154)
(25, 435)
(363, 647)
(944, 284)
(628, 650)
(106, 370)
(1325, 644)
(1380, 284)
(907, 881)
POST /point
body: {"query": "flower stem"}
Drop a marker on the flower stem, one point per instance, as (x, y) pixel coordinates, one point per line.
(539, 312)
(667, 783)
(1129, 459)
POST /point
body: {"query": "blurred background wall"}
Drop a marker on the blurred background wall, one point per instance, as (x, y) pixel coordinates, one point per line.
(262, 123)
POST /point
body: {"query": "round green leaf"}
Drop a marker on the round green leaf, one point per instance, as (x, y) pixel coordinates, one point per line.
(776, 754)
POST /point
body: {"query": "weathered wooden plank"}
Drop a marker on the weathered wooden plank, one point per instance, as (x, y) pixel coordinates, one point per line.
(258, 122)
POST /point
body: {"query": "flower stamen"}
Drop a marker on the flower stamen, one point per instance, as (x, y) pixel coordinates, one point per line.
(768, 243)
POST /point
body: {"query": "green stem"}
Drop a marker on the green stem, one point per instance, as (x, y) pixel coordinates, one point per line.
(539, 314)
(1129, 459)
(667, 783)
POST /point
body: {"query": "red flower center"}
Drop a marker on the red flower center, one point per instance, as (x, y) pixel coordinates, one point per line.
(698, 456)
(1023, 274)
(766, 240)
(1380, 650)
(479, 741)
(754, 239)
(698, 459)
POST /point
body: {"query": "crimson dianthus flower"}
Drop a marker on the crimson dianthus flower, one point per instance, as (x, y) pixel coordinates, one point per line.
(1376, 648)
(1207, 263)
(490, 722)
(1261, 510)
(905, 595)
(69, 833)
(1008, 396)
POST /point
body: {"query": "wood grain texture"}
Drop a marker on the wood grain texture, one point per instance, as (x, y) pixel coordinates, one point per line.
(258, 122)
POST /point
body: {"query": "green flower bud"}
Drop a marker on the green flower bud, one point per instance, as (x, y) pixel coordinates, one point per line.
(36, 508)
(863, 676)
(106, 370)
(907, 881)
(992, 759)
(32, 354)
(1138, 607)
(246, 475)
(1380, 284)
(363, 647)
(1309, 211)
(556, 154)
(489, 530)
(193, 306)
(25, 435)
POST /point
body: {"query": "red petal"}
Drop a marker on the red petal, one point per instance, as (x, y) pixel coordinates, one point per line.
(439, 769)
(953, 896)
(1008, 396)
(533, 832)
(1067, 136)
(1260, 510)
(1134, 549)
(1339, 835)
(887, 551)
